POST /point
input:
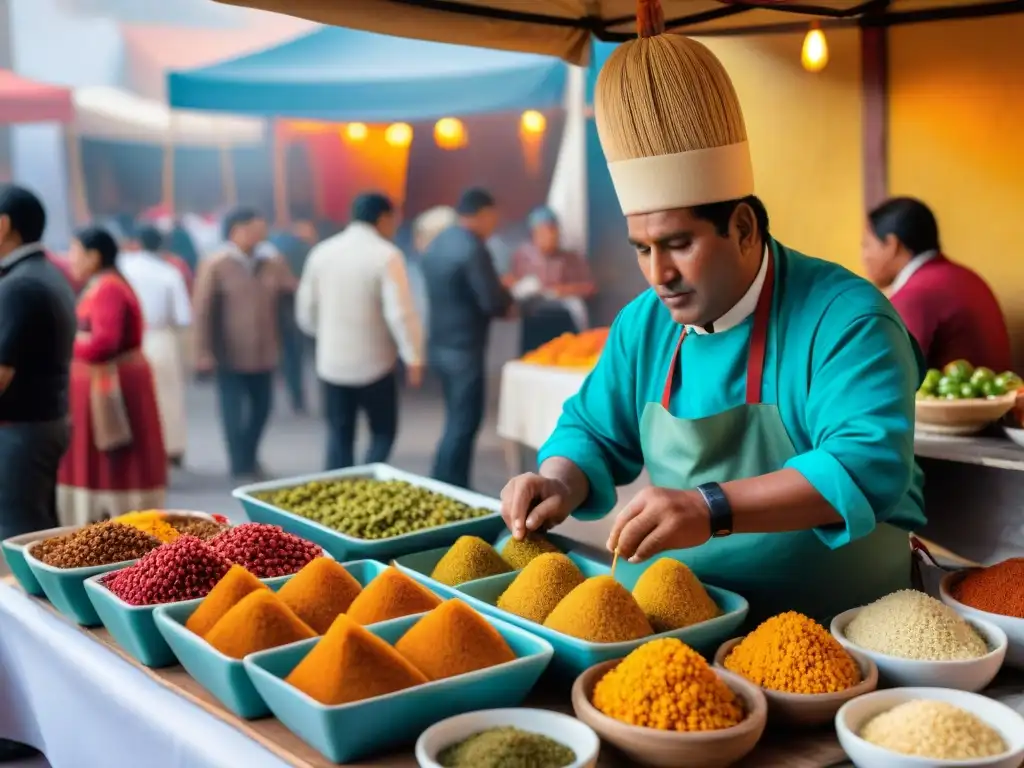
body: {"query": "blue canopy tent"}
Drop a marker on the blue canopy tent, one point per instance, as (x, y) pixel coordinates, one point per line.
(348, 75)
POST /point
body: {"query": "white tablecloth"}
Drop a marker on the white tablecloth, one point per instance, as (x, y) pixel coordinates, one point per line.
(531, 399)
(83, 707)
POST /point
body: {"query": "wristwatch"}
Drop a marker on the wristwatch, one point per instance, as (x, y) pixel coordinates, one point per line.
(719, 509)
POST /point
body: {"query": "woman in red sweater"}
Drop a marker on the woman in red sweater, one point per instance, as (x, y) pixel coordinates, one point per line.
(949, 309)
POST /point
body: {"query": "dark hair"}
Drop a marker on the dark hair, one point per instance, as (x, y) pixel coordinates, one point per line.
(100, 240)
(149, 237)
(27, 215)
(909, 220)
(720, 214)
(474, 200)
(369, 207)
(237, 218)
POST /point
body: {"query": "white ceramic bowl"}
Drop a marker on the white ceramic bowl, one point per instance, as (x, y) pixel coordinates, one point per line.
(963, 675)
(562, 728)
(855, 714)
(1013, 627)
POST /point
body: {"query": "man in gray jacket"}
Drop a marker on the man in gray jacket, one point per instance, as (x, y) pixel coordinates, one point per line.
(465, 294)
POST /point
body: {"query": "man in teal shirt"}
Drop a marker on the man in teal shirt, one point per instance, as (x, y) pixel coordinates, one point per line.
(780, 436)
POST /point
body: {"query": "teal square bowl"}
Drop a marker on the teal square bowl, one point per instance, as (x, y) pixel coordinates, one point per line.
(420, 565)
(353, 731)
(573, 656)
(345, 547)
(14, 553)
(134, 629)
(65, 587)
(224, 677)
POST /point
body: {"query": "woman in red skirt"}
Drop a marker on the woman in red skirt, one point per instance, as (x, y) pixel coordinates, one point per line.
(116, 461)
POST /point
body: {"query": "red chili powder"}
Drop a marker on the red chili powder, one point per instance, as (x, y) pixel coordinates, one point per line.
(996, 589)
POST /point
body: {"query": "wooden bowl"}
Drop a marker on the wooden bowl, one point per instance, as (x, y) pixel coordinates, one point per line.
(807, 710)
(670, 749)
(961, 417)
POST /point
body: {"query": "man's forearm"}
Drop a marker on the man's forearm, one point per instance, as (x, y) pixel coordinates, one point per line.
(567, 472)
(6, 377)
(779, 501)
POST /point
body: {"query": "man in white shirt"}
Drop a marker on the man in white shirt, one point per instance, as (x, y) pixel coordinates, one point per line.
(165, 306)
(354, 297)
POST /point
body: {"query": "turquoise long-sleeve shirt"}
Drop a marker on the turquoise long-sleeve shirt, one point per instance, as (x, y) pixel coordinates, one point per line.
(839, 365)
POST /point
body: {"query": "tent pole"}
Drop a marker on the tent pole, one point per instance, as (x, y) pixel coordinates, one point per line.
(280, 176)
(79, 198)
(227, 173)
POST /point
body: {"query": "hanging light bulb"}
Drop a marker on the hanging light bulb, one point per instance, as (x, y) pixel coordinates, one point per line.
(450, 133)
(814, 54)
(398, 135)
(532, 122)
(356, 131)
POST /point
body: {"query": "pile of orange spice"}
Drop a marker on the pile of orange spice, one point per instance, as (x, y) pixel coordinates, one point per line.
(996, 589)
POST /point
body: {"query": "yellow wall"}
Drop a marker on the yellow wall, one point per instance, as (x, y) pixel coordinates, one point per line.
(805, 134)
(956, 140)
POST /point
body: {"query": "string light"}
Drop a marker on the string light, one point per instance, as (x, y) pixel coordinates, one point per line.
(398, 135)
(450, 133)
(356, 131)
(533, 122)
(814, 54)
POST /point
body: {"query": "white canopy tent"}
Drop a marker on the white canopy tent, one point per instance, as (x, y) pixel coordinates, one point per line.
(113, 114)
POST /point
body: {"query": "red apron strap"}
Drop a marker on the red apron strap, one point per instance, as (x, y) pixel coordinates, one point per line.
(666, 393)
(759, 334)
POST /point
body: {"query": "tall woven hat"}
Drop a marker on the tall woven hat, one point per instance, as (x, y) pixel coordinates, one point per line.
(670, 122)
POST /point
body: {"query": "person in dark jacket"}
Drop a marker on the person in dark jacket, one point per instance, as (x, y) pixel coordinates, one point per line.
(294, 245)
(464, 294)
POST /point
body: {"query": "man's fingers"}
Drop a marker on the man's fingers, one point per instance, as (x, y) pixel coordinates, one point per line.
(652, 544)
(634, 508)
(521, 500)
(635, 532)
(546, 511)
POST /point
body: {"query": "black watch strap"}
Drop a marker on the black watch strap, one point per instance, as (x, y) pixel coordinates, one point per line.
(719, 509)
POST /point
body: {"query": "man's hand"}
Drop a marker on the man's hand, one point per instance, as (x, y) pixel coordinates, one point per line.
(205, 363)
(6, 377)
(414, 376)
(532, 502)
(657, 520)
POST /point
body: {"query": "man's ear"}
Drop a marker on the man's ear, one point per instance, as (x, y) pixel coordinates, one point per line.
(744, 222)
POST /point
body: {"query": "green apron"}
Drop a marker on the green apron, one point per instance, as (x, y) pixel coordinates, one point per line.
(774, 571)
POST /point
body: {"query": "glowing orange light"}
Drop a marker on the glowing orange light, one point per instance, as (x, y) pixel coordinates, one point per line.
(814, 54)
(356, 131)
(533, 122)
(450, 133)
(398, 135)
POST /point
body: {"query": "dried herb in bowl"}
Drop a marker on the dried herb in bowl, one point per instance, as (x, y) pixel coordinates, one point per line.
(507, 747)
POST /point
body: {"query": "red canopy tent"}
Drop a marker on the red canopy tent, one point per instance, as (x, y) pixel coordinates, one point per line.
(26, 101)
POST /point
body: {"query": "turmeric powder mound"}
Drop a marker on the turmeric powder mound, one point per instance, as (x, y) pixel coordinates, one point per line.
(793, 654)
(665, 684)
(541, 586)
(600, 610)
(453, 639)
(260, 621)
(469, 558)
(228, 592)
(391, 595)
(519, 554)
(671, 596)
(351, 664)
(319, 592)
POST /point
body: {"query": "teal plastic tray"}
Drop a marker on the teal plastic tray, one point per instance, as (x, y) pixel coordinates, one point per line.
(65, 587)
(14, 553)
(221, 675)
(133, 627)
(352, 731)
(350, 548)
(573, 656)
(420, 565)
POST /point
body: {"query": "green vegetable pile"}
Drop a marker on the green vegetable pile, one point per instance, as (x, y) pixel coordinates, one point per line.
(960, 380)
(371, 509)
(507, 747)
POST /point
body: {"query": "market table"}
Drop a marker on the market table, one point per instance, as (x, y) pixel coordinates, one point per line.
(73, 693)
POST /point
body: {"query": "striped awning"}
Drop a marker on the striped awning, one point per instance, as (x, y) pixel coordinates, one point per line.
(564, 27)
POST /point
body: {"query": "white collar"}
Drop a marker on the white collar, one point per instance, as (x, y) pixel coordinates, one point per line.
(19, 253)
(909, 269)
(743, 308)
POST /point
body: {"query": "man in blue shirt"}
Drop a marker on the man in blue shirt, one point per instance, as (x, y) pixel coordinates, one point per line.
(465, 294)
(779, 437)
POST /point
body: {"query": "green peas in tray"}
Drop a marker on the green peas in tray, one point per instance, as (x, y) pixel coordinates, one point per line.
(960, 380)
(365, 508)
